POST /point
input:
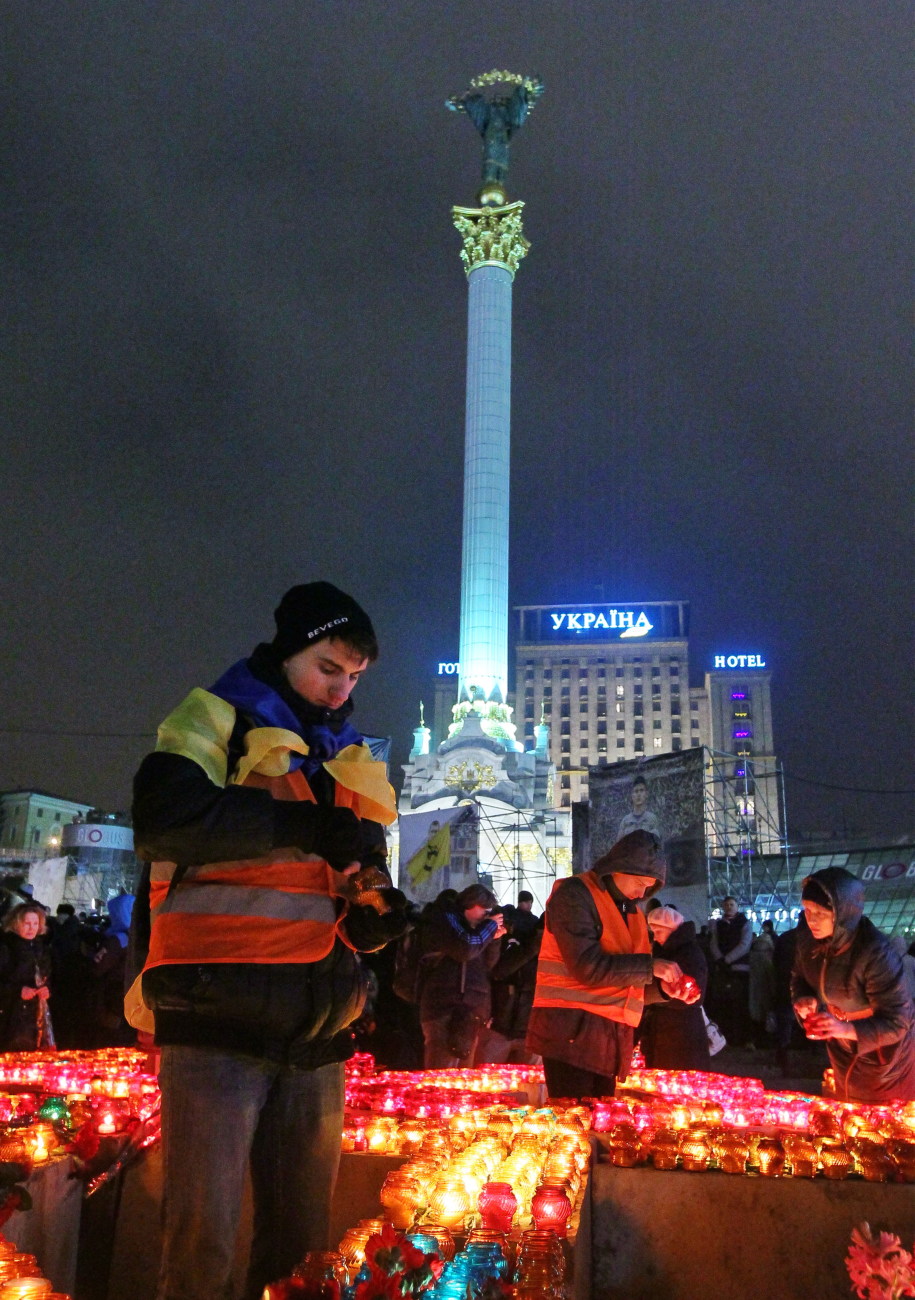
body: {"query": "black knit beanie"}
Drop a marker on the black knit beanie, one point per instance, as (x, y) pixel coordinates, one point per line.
(315, 610)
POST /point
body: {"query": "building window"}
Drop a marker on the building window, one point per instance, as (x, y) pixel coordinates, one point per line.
(620, 744)
(602, 728)
(583, 725)
(656, 725)
(656, 672)
(674, 670)
(638, 727)
(676, 744)
(656, 706)
(547, 674)
(601, 672)
(675, 688)
(655, 689)
(621, 726)
(619, 672)
(619, 708)
(602, 692)
(564, 692)
(620, 692)
(658, 742)
(636, 672)
(637, 710)
(694, 724)
(639, 745)
(675, 724)
(694, 706)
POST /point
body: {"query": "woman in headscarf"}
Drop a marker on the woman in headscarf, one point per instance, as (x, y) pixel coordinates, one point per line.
(25, 969)
(673, 1033)
(848, 989)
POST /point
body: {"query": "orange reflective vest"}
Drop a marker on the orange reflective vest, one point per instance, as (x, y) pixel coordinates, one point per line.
(558, 987)
(283, 907)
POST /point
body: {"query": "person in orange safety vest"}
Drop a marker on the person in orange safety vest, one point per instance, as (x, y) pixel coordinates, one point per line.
(261, 817)
(595, 972)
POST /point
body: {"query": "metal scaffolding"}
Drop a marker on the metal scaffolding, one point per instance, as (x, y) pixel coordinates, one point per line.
(523, 848)
(746, 834)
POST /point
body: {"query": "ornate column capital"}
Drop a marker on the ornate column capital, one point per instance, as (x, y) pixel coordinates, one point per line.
(492, 236)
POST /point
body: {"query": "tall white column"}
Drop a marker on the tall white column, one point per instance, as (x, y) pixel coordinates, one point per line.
(493, 247)
(484, 567)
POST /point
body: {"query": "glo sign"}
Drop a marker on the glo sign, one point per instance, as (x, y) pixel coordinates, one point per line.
(739, 661)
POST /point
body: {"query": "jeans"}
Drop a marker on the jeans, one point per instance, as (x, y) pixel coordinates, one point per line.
(221, 1112)
(437, 1054)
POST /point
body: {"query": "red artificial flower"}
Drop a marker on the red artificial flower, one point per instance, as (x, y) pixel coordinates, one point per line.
(878, 1266)
(397, 1267)
(84, 1144)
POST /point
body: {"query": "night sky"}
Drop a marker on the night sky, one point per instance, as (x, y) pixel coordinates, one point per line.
(234, 325)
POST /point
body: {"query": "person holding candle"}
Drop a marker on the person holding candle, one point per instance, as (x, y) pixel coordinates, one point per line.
(262, 813)
(25, 972)
(848, 989)
(596, 973)
(673, 1034)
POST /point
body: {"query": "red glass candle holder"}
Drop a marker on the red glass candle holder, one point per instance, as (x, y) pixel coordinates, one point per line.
(497, 1203)
(551, 1208)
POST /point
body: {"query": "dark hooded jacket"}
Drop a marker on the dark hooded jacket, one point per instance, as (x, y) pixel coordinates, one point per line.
(857, 971)
(672, 1034)
(579, 1037)
(456, 963)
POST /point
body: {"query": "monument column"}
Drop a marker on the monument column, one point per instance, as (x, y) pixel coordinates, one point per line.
(493, 246)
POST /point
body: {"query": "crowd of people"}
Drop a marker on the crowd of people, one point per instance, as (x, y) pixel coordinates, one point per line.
(62, 976)
(268, 940)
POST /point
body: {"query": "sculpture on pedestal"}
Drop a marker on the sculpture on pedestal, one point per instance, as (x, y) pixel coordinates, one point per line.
(497, 119)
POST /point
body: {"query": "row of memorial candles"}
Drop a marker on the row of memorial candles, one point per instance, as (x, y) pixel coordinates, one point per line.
(20, 1276)
(43, 1093)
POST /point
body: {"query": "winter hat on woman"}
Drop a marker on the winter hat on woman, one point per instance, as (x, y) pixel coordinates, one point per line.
(668, 918)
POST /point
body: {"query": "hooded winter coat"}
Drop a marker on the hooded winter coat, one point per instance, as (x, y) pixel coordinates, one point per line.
(857, 975)
(577, 1036)
(673, 1034)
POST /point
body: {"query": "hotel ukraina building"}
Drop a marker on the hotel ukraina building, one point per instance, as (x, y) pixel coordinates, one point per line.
(613, 683)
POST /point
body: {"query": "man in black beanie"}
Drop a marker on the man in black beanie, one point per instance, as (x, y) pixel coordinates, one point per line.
(261, 815)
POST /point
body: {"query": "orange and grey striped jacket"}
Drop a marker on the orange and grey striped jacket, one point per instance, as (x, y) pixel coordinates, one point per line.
(557, 986)
(286, 906)
(282, 907)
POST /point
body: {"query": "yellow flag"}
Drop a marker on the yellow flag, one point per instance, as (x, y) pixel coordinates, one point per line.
(435, 853)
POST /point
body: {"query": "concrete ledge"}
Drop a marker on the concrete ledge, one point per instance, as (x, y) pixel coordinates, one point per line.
(680, 1236)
